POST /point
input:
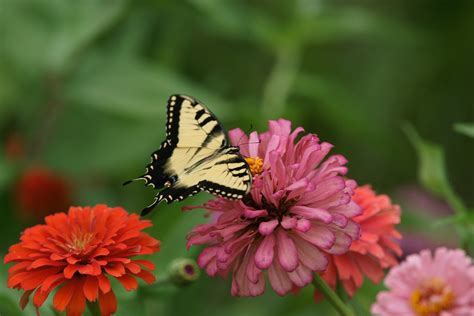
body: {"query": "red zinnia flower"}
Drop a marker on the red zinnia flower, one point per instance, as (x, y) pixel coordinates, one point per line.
(77, 252)
(40, 192)
(375, 250)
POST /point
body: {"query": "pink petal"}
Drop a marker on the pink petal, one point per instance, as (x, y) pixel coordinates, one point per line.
(341, 244)
(266, 228)
(302, 276)
(349, 210)
(303, 225)
(249, 213)
(238, 137)
(319, 236)
(310, 255)
(265, 252)
(287, 253)
(312, 213)
(253, 144)
(279, 279)
(288, 222)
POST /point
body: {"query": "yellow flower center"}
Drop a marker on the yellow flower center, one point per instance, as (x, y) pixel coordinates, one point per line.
(255, 164)
(80, 241)
(431, 297)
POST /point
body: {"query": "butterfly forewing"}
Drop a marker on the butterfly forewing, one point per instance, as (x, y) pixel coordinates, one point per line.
(191, 124)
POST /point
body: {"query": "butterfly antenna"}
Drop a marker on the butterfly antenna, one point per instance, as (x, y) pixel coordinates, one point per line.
(258, 142)
(247, 132)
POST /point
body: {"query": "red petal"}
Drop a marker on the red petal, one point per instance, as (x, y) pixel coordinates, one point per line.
(18, 267)
(40, 297)
(49, 281)
(44, 262)
(78, 302)
(64, 295)
(128, 282)
(117, 269)
(107, 303)
(146, 276)
(70, 270)
(104, 283)
(91, 269)
(33, 279)
(147, 264)
(91, 288)
(133, 267)
(25, 298)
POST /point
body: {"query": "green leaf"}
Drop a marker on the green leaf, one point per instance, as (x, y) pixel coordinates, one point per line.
(465, 128)
(39, 35)
(431, 169)
(80, 23)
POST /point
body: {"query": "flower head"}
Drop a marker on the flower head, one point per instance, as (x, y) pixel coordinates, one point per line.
(78, 252)
(298, 211)
(40, 192)
(375, 250)
(427, 285)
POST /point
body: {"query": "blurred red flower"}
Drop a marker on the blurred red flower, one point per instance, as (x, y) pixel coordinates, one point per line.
(78, 252)
(375, 250)
(40, 192)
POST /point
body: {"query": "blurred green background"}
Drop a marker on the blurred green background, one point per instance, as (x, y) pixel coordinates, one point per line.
(83, 88)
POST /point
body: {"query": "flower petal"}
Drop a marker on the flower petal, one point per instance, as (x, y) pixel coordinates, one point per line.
(265, 252)
(107, 303)
(266, 228)
(287, 253)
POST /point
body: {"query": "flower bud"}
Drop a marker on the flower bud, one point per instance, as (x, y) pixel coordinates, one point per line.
(183, 271)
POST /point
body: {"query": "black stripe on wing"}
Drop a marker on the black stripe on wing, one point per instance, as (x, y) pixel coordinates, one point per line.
(221, 190)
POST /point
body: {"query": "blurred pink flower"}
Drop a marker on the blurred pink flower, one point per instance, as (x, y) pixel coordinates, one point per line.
(429, 286)
(298, 211)
(375, 250)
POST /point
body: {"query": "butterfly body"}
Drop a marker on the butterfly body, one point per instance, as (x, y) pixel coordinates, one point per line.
(195, 157)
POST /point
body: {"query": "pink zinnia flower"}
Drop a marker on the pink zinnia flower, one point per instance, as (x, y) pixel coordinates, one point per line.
(298, 211)
(426, 285)
(375, 250)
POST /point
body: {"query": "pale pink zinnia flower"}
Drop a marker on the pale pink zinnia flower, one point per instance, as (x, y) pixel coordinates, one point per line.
(376, 248)
(298, 211)
(426, 285)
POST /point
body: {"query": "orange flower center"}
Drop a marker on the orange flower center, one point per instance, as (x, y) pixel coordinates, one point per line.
(431, 297)
(80, 241)
(255, 164)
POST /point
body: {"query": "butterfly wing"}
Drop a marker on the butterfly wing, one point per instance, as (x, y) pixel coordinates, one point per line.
(191, 124)
(226, 174)
(195, 156)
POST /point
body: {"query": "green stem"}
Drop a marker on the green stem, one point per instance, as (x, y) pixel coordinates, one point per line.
(331, 296)
(94, 308)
